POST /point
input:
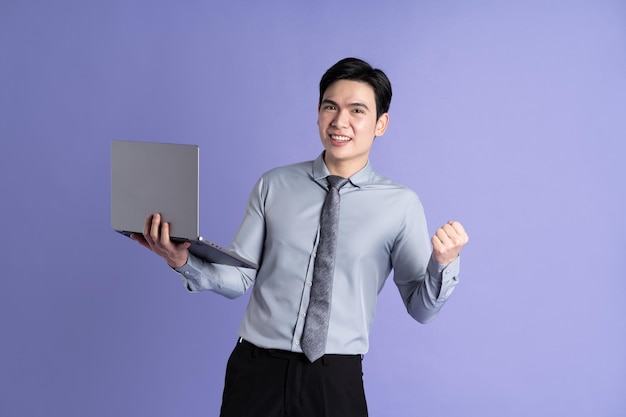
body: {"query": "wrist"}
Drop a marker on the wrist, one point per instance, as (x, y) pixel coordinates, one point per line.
(445, 261)
(178, 263)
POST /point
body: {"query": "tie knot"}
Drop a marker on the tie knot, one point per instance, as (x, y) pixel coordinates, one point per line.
(335, 181)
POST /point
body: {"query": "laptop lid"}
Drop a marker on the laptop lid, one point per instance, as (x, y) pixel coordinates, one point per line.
(147, 178)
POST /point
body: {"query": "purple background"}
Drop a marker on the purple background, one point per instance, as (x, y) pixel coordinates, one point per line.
(508, 116)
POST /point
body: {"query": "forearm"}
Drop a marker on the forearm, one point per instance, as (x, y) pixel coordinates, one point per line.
(229, 281)
(424, 297)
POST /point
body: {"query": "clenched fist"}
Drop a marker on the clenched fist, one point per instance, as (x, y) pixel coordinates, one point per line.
(448, 242)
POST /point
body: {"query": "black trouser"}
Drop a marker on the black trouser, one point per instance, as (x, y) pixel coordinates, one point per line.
(277, 383)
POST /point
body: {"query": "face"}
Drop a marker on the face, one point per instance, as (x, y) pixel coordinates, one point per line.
(348, 125)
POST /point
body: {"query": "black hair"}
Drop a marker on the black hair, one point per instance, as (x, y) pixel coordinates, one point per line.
(355, 69)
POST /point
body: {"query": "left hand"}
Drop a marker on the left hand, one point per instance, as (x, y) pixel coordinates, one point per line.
(448, 242)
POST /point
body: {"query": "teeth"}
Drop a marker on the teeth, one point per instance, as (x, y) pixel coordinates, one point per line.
(340, 138)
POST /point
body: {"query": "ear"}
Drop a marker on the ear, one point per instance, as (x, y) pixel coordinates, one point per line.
(381, 124)
(318, 114)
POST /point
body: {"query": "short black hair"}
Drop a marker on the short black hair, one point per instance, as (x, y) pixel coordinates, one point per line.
(355, 69)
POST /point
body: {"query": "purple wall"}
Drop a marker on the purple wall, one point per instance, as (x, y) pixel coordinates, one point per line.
(510, 118)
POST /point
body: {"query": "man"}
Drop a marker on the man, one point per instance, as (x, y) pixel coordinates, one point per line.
(381, 226)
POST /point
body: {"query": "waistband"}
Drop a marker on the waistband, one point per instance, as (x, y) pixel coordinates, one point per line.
(286, 354)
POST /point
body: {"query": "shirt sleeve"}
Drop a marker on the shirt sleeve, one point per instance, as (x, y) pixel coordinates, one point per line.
(229, 281)
(424, 285)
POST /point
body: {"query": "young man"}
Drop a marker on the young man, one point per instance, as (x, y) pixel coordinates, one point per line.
(381, 226)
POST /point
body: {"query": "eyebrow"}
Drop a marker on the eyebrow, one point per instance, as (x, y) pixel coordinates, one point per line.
(356, 104)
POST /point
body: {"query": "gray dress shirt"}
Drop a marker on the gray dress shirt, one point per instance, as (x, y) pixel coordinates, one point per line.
(381, 227)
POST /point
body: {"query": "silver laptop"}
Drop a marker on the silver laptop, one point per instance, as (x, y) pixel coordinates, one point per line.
(148, 178)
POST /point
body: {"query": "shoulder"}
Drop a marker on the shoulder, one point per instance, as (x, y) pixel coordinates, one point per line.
(387, 195)
(380, 182)
(287, 176)
(300, 168)
(398, 201)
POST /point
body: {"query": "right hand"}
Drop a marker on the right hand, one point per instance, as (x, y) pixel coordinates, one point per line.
(156, 237)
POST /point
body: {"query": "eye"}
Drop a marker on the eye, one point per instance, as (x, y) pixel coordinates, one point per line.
(329, 107)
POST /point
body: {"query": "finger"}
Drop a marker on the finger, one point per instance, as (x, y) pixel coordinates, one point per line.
(458, 228)
(141, 240)
(165, 234)
(183, 246)
(437, 243)
(441, 252)
(457, 234)
(155, 227)
(146, 228)
(442, 235)
(448, 230)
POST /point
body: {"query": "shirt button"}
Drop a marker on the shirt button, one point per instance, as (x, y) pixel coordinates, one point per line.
(186, 272)
(309, 284)
(297, 343)
(302, 314)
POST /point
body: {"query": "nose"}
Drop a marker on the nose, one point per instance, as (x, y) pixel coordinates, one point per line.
(341, 119)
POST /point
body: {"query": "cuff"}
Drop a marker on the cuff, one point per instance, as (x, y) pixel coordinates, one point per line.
(448, 274)
(190, 272)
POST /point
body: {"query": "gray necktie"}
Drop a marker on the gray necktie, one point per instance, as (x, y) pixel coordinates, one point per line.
(316, 325)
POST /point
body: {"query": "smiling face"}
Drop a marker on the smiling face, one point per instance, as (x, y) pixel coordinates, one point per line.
(348, 125)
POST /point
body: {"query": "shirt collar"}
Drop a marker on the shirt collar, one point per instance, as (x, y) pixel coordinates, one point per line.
(359, 179)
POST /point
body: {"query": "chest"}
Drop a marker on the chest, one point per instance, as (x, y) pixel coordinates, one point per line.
(369, 220)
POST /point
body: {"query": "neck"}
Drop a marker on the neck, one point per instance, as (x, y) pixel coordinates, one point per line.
(343, 169)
